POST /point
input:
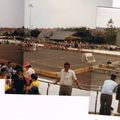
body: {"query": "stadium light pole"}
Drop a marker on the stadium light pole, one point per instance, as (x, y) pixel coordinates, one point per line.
(30, 8)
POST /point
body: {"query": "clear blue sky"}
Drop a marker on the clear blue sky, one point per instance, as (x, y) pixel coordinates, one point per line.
(11, 13)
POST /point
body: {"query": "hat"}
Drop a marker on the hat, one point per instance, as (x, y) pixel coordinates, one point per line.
(26, 64)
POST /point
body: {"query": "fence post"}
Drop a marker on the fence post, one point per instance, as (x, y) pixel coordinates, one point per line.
(96, 102)
(48, 88)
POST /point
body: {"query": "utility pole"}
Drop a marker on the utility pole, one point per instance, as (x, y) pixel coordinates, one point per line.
(30, 8)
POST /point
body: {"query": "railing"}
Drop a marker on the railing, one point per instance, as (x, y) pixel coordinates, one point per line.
(95, 102)
(87, 89)
(51, 82)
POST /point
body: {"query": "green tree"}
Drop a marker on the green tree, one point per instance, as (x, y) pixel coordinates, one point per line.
(85, 33)
(110, 35)
(34, 33)
(110, 23)
(110, 32)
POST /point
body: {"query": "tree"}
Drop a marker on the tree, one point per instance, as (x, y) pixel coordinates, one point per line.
(99, 36)
(110, 23)
(19, 33)
(34, 33)
(110, 33)
(85, 33)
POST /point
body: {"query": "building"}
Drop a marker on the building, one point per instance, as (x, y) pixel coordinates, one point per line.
(61, 35)
(118, 39)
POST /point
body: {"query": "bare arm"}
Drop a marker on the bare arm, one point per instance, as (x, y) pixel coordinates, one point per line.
(57, 80)
(78, 84)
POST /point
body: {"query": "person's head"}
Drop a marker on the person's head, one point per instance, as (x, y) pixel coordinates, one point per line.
(28, 66)
(9, 63)
(109, 62)
(3, 72)
(66, 66)
(113, 77)
(19, 68)
(20, 74)
(34, 77)
(2, 64)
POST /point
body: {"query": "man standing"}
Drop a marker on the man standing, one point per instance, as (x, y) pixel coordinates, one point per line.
(66, 79)
(106, 95)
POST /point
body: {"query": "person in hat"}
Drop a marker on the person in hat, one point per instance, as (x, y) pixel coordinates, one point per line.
(106, 95)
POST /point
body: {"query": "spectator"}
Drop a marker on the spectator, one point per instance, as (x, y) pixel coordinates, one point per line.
(3, 73)
(34, 87)
(30, 70)
(118, 98)
(9, 69)
(66, 78)
(106, 95)
(19, 83)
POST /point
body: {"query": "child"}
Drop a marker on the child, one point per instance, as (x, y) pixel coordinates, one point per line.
(34, 87)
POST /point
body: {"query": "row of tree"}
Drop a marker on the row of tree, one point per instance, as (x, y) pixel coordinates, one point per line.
(105, 36)
(21, 33)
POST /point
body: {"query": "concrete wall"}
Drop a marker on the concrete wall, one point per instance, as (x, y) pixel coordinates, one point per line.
(12, 53)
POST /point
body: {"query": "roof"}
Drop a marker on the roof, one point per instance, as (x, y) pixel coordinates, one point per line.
(60, 35)
(45, 33)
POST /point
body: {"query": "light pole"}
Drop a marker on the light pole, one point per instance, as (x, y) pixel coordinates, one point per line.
(30, 7)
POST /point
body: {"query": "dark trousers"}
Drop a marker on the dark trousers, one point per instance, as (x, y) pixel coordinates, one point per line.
(65, 90)
(118, 109)
(105, 101)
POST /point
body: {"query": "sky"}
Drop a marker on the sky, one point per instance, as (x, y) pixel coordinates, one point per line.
(62, 13)
(11, 13)
(116, 3)
(51, 13)
(105, 14)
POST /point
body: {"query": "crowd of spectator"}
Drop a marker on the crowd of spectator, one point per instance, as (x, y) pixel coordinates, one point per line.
(80, 45)
(19, 79)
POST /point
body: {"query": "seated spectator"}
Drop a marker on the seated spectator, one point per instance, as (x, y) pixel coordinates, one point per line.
(9, 69)
(8, 89)
(34, 91)
(110, 65)
(19, 83)
(30, 70)
(34, 87)
(3, 73)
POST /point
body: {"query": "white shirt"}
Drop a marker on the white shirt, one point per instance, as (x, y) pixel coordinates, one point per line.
(67, 78)
(109, 86)
(34, 47)
(30, 71)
